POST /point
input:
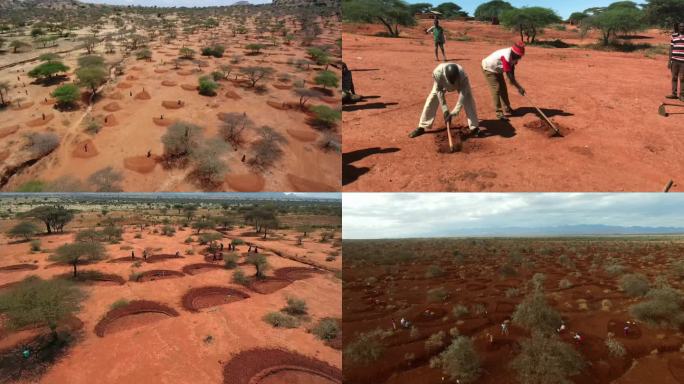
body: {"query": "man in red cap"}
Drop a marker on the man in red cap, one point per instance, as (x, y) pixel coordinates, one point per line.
(494, 66)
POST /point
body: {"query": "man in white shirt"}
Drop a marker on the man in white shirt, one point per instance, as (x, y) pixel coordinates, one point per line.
(493, 67)
(448, 77)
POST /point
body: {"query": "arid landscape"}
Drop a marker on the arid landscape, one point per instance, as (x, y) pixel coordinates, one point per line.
(605, 102)
(104, 98)
(620, 294)
(169, 289)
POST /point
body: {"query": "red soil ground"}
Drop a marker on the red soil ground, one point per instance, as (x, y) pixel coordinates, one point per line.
(275, 366)
(607, 100)
(381, 289)
(143, 346)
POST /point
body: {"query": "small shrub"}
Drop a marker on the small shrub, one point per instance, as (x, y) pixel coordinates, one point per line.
(459, 310)
(366, 348)
(615, 348)
(564, 283)
(281, 320)
(434, 271)
(35, 245)
(295, 307)
(437, 295)
(326, 329)
(240, 278)
(41, 144)
(119, 304)
(435, 341)
(230, 261)
(207, 86)
(459, 361)
(635, 284)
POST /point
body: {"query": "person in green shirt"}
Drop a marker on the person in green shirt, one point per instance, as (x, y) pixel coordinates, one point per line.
(438, 35)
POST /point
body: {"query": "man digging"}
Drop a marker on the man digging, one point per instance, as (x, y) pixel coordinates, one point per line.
(676, 63)
(448, 77)
(349, 95)
(494, 66)
(438, 36)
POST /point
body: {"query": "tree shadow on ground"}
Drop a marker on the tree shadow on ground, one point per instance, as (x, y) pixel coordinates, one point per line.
(351, 173)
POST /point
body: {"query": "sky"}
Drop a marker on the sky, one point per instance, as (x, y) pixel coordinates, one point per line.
(563, 7)
(174, 3)
(402, 215)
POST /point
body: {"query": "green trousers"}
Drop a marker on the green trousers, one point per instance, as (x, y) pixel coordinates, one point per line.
(497, 85)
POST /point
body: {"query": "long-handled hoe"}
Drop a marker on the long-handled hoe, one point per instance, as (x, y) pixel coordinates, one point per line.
(548, 121)
(664, 113)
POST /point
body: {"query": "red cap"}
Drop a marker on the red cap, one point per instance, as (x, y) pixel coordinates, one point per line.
(519, 48)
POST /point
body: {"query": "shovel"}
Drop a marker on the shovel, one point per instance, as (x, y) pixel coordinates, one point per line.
(451, 143)
(664, 113)
(548, 121)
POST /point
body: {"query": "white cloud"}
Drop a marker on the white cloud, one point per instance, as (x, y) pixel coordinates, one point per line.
(388, 215)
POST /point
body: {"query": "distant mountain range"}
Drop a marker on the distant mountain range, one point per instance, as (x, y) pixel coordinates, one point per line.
(571, 230)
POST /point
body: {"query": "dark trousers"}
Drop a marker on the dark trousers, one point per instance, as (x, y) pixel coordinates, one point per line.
(677, 76)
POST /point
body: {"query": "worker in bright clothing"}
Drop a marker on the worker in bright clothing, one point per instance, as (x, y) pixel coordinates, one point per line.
(676, 63)
(494, 66)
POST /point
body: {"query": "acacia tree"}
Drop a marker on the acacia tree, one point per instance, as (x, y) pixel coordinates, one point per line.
(492, 10)
(255, 74)
(391, 13)
(79, 252)
(35, 301)
(615, 20)
(529, 21)
(91, 77)
(233, 126)
(54, 217)
(47, 70)
(546, 360)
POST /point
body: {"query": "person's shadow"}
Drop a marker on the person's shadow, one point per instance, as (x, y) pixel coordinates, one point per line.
(549, 112)
(350, 173)
(359, 106)
(497, 127)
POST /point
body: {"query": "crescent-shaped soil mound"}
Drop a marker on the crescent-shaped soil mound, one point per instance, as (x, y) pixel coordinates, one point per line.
(279, 105)
(282, 86)
(162, 257)
(103, 278)
(132, 77)
(172, 104)
(296, 273)
(142, 95)
(542, 127)
(158, 274)
(205, 297)
(189, 87)
(112, 107)
(277, 366)
(115, 96)
(249, 182)
(159, 70)
(85, 149)
(184, 72)
(49, 101)
(169, 83)
(125, 259)
(128, 316)
(301, 184)
(124, 85)
(38, 121)
(268, 285)
(305, 135)
(22, 106)
(4, 132)
(233, 95)
(140, 164)
(18, 267)
(110, 120)
(162, 122)
(196, 269)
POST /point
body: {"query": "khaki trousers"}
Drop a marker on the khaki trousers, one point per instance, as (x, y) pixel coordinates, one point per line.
(427, 118)
(499, 90)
